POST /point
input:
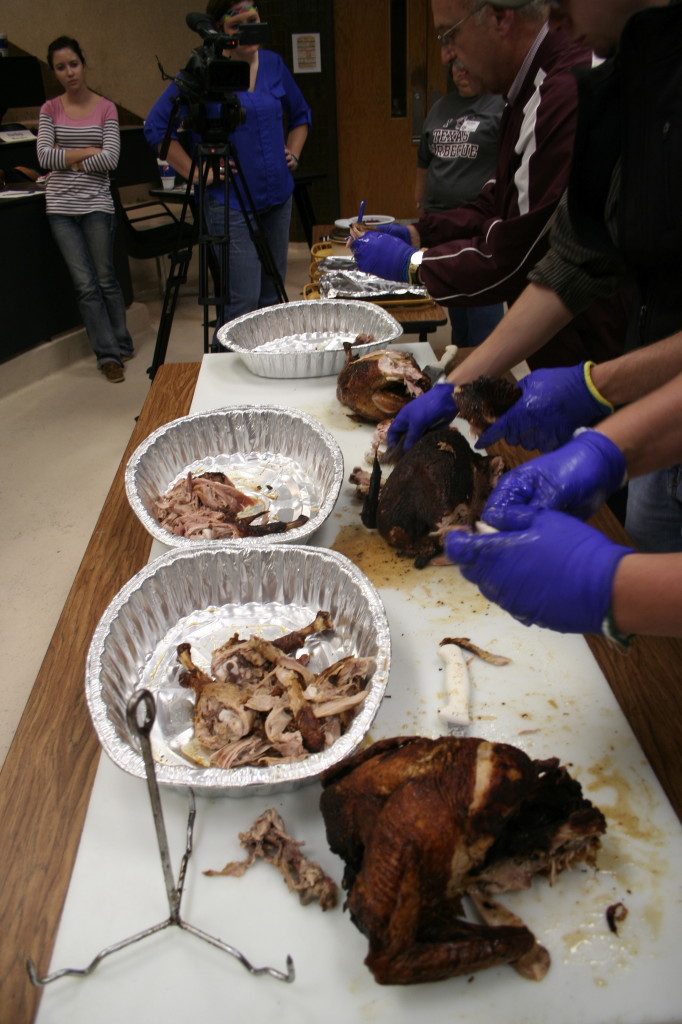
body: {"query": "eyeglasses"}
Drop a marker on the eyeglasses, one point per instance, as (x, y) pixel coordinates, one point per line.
(446, 37)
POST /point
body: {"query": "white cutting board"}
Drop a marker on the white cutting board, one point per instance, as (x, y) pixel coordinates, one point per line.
(551, 700)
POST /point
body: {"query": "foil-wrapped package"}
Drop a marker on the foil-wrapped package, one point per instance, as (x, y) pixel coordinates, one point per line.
(354, 284)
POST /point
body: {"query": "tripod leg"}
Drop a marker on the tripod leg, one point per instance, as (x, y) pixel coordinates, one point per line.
(177, 275)
(255, 226)
(213, 240)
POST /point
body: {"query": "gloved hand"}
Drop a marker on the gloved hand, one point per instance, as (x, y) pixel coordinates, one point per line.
(382, 255)
(556, 573)
(432, 409)
(552, 404)
(397, 230)
(577, 478)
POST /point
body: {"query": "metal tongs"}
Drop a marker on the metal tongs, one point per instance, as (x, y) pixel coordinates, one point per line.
(142, 701)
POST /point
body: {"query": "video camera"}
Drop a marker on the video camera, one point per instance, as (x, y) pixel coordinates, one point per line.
(208, 77)
(211, 75)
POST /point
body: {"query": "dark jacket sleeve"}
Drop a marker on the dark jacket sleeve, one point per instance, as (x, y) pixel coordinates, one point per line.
(577, 274)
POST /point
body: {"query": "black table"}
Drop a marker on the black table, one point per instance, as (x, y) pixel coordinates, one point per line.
(301, 198)
(37, 299)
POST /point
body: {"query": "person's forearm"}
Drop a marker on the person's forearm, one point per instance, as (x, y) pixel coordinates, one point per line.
(534, 318)
(649, 431)
(647, 595)
(74, 156)
(179, 159)
(296, 140)
(637, 373)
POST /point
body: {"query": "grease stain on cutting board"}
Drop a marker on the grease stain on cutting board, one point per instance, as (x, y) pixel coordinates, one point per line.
(435, 585)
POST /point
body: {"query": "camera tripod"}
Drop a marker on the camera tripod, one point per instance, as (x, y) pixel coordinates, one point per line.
(221, 159)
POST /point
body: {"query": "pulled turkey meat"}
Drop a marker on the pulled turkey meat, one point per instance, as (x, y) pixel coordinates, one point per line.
(377, 385)
(209, 506)
(422, 823)
(261, 705)
(268, 840)
(440, 483)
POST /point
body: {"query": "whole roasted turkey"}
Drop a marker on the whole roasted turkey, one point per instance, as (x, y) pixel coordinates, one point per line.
(376, 386)
(423, 823)
(440, 483)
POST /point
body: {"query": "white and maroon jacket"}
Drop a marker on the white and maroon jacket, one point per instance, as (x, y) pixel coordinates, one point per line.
(481, 252)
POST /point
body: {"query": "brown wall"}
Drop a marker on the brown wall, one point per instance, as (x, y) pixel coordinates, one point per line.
(119, 39)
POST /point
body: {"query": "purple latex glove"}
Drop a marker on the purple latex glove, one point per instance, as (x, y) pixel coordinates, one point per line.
(577, 478)
(382, 255)
(435, 408)
(552, 405)
(557, 573)
(397, 230)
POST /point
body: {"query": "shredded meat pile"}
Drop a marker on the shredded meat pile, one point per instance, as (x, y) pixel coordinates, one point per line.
(209, 506)
(262, 706)
(268, 840)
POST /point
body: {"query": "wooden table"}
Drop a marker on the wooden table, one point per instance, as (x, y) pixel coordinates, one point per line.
(37, 296)
(49, 771)
(421, 320)
(46, 779)
(645, 679)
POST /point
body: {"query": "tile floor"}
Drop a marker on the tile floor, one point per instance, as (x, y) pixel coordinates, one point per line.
(64, 429)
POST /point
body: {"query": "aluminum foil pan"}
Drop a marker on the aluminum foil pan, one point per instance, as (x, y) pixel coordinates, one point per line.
(355, 284)
(309, 336)
(203, 597)
(284, 458)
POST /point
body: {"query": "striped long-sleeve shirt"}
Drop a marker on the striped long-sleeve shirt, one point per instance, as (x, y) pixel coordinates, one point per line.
(77, 192)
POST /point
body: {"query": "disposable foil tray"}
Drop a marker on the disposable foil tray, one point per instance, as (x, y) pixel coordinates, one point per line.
(203, 596)
(305, 339)
(283, 458)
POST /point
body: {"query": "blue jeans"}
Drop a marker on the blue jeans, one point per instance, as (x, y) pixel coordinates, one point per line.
(249, 288)
(472, 325)
(86, 242)
(654, 510)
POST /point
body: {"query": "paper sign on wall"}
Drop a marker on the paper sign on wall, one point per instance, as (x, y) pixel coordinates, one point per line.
(306, 50)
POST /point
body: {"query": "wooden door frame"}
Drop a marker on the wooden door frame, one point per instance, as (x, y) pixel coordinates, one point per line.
(378, 163)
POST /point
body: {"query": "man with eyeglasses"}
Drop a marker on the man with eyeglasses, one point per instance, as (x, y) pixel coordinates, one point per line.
(481, 253)
(622, 217)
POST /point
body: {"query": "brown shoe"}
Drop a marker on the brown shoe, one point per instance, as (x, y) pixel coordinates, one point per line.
(113, 372)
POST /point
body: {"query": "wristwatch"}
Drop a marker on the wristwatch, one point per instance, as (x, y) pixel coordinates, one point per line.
(414, 265)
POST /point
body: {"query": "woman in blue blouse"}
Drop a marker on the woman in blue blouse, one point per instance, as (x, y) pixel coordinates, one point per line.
(267, 159)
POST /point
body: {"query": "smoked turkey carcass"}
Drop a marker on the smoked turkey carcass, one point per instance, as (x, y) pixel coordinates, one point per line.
(440, 483)
(376, 386)
(483, 400)
(422, 824)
